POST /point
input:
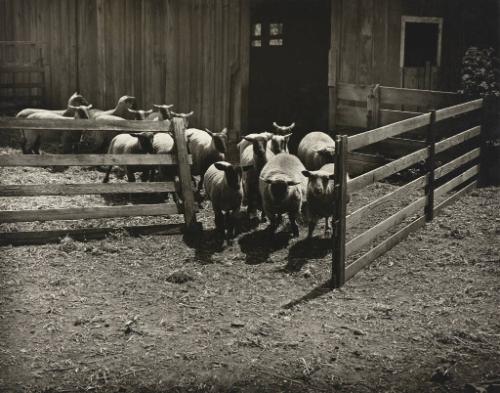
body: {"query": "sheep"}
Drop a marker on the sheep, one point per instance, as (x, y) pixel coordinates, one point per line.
(282, 130)
(139, 114)
(282, 187)
(276, 143)
(222, 184)
(31, 139)
(75, 100)
(134, 143)
(253, 159)
(206, 147)
(98, 141)
(320, 196)
(162, 112)
(316, 149)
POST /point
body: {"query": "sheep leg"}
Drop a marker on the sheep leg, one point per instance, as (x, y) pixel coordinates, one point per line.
(106, 176)
(130, 175)
(293, 224)
(219, 222)
(232, 223)
(327, 228)
(145, 175)
(36, 145)
(273, 225)
(312, 225)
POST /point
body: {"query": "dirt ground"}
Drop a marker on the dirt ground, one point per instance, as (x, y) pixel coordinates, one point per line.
(163, 313)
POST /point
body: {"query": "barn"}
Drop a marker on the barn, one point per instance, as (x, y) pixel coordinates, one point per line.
(237, 63)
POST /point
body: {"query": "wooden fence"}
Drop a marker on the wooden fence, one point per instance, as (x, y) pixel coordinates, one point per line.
(424, 207)
(180, 159)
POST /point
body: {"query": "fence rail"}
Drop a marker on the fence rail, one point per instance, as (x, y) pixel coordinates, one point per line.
(424, 207)
(180, 159)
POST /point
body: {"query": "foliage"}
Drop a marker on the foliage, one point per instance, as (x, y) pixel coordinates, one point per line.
(480, 73)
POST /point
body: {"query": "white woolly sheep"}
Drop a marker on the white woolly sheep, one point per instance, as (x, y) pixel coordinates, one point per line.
(222, 184)
(135, 143)
(320, 196)
(253, 159)
(316, 149)
(206, 147)
(31, 139)
(73, 101)
(283, 189)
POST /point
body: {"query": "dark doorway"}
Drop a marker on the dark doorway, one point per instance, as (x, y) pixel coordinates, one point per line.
(290, 40)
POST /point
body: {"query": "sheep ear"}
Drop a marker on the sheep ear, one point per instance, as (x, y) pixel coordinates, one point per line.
(131, 111)
(306, 173)
(266, 180)
(275, 125)
(224, 131)
(149, 112)
(169, 106)
(89, 106)
(156, 106)
(222, 165)
(287, 137)
(209, 132)
(291, 126)
(292, 182)
(249, 139)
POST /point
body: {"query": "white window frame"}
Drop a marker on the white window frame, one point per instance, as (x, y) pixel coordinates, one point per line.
(420, 19)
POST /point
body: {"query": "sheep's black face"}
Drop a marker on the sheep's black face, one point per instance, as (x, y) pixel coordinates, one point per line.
(279, 143)
(328, 153)
(318, 182)
(259, 146)
(77, 100)
(220, 142)
(146, 141)
(233, 176)
(279, 190)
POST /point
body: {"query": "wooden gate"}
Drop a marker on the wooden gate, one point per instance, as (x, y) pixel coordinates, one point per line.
(179, 159)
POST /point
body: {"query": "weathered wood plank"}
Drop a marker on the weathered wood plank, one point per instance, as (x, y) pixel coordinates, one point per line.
(21, 68)
(389, 116)
(381, 173)
(424, 98)
(84, 189)
(362, 262)
(457, 139)
(457, 162)
(352, 92)
(459, 109)
(377, 251)
(456, 181)
(84, 234)
(11, 123)
(381, 133)
(86, 159)
(454, 197)
(351, 116)
(357, 216)
(78, 213)
(371, 234)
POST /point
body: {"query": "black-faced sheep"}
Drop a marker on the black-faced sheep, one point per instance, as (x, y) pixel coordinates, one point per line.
(136, 143)
(252, 159)
(222, 184)
(316, 149)
(283, 189)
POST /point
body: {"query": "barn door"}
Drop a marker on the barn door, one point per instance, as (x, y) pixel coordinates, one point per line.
(289, 64)
(420, 52)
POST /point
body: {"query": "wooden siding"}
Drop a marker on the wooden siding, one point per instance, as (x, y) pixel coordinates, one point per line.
(192, 53)
(366, 37)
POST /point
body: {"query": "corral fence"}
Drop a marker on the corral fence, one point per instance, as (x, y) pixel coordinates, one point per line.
(179, 158)
(364, 109)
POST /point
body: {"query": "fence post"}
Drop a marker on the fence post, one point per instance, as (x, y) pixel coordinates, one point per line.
(185, 174)
(431, 166)
(373, 108)
(339, 224)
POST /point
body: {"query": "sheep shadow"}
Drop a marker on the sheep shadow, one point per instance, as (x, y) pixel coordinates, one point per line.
(303, 251)
(258, 245)
(316, 292)
(205, 243)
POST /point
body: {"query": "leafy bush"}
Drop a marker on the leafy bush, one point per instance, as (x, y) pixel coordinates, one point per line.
(480, 73)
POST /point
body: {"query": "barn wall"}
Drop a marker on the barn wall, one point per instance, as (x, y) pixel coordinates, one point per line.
(366, 37)
(192, 53)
